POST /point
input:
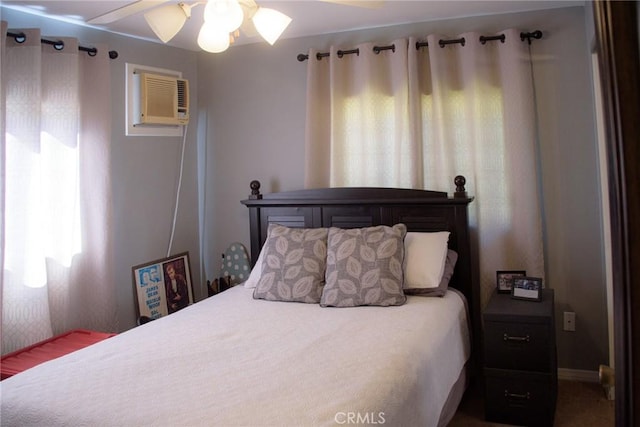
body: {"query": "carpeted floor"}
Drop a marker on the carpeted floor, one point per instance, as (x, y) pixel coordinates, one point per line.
(579, 404)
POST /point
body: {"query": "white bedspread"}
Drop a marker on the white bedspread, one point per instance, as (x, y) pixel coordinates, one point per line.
(231, 360)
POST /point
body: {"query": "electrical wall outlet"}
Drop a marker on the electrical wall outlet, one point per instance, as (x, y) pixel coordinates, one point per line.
(569, 321)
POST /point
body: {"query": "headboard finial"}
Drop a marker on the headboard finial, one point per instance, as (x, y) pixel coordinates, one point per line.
(255, 190)
(460, 181)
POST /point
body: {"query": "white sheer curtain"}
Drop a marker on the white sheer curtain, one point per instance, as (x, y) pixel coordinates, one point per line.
(416, 118)
(57, 261)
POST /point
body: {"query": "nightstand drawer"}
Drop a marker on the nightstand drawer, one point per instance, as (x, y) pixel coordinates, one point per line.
(521, 346)
(522, 398)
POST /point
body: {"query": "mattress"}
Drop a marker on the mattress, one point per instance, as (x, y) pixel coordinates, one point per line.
(231, 360)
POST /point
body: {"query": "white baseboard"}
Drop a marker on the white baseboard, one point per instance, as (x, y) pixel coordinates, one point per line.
(578, 375)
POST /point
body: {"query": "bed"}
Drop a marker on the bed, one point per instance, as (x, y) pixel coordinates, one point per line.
(239, 360)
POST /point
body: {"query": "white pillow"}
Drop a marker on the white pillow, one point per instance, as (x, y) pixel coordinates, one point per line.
(254, 277)
(424, 258)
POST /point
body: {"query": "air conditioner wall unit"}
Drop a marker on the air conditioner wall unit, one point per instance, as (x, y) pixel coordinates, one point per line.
(160, 100)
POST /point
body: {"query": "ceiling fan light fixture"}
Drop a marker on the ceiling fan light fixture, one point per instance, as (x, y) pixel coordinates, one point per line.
(166, 21)
(270, 23)
(226, 12)
(213, 38)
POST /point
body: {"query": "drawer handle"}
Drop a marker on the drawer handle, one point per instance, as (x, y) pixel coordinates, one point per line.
(507, 337)
(508, 395)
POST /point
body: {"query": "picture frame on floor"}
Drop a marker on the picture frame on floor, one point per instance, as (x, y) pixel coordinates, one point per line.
(163, 286)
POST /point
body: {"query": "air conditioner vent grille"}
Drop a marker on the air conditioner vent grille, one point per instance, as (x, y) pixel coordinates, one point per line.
(183, 96)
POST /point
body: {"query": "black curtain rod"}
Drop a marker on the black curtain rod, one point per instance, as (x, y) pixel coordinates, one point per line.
(442, 43)
(59, 45)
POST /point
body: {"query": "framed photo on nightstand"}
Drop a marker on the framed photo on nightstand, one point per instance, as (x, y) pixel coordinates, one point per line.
(527, 288)
(504, 279)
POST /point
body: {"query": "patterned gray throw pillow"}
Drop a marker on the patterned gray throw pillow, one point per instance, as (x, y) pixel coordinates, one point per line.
(294, 264)
(364, 267)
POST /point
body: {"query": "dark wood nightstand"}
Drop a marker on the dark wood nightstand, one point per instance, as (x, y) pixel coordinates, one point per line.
(520, 362)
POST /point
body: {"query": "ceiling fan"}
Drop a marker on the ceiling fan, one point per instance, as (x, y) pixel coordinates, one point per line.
(223, 19)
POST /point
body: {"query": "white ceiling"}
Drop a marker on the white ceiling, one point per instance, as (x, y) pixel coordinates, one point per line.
(310, 17)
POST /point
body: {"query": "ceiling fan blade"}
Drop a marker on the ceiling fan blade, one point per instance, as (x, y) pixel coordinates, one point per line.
(249, 8)
(125, 11)
(370, 4)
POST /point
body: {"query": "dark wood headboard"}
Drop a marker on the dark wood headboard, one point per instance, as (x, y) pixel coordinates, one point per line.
(419, 210)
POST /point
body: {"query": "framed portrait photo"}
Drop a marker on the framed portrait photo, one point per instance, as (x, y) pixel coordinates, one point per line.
(527, 288)
(163, 286)
(504, 279)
